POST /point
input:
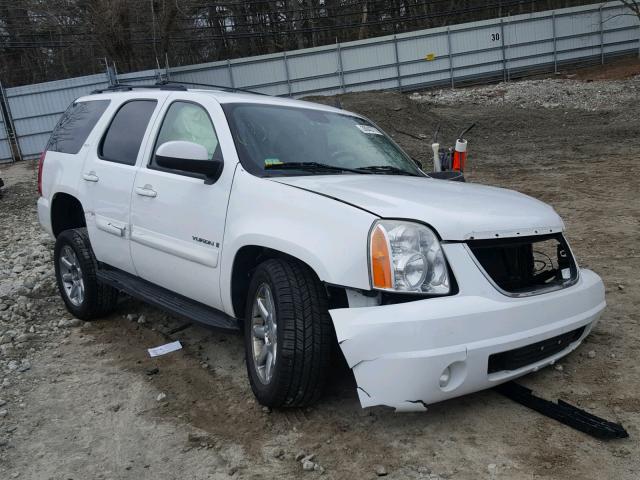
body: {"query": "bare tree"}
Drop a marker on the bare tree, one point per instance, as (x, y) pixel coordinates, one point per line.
(633, 5)
(47, 40)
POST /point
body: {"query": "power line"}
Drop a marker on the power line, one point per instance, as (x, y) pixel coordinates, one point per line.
(235, 24)
(234, 35)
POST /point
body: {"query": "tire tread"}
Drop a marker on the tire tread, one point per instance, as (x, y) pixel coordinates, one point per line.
(100, 299)
(305, 332)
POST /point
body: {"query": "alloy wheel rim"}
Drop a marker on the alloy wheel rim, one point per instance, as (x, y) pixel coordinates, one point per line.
(264, 334)
(71, 275)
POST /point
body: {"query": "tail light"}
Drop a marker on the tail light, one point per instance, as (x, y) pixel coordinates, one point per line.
(40, 166)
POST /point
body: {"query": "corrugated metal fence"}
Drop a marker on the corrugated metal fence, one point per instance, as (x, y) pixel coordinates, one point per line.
(5, 151)
(496, 48)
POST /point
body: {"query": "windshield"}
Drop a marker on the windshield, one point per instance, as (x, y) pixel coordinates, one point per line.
(279, 140)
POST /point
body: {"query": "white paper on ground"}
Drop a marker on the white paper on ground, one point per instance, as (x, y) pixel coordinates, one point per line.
(162, 349)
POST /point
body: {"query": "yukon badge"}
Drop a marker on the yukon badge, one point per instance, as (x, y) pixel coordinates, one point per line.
(205, 241)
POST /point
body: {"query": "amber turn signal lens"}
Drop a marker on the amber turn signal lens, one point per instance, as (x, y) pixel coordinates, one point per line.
(380, 259)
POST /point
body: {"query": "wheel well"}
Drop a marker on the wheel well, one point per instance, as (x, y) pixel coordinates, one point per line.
(246, 261)
(66, 213)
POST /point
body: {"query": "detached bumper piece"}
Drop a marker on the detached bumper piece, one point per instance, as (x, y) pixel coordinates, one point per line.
(563, 412)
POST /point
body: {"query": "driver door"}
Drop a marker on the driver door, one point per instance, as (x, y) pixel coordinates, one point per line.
(178, 220)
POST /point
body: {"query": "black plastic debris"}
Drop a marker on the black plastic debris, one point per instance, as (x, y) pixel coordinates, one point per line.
(563, 412)
(180, 328)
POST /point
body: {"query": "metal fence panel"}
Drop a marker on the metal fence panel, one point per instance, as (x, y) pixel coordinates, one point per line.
(5, 149)
(35, 109)
(439, 56)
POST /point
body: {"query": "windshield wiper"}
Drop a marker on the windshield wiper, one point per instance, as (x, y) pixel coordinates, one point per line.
(386, 169)
(311, 166)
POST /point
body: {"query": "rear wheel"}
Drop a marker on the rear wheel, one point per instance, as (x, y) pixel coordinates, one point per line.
(288, 334)
(75, 264)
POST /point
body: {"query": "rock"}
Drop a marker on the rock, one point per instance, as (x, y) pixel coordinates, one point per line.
(300, 455)
(132, 317)
(231, 471)
(152, 371)
(3, 413)
(380, 470)
(115, 408)
(559, 367)
(308, 458)
(491, 466)
(24, 366)
(591, 354)
(319, 469)
(142, 320)
(308, 466)
(24, 337)
(12, 365)
(620, 286)
(266, 410)
(161, 397)
(197, 437)
(3, 403)
(18, 269)
(278, 453)
(70, 323)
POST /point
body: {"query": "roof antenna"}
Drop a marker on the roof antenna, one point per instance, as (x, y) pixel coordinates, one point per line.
(155, 50)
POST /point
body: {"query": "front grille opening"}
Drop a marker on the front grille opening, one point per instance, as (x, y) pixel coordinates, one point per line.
(527, 265)
(530, 354)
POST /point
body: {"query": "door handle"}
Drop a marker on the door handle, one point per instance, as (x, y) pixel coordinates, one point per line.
(146, 191)
(90, 177)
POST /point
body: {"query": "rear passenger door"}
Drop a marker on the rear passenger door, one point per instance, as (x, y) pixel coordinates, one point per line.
(107, 179)
(177, 219)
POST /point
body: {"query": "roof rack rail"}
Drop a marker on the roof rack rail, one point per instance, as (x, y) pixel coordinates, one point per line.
(168, 85)
(217, 87)
(123, 87)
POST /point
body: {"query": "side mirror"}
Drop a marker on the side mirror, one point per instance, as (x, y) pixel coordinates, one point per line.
(188, 157)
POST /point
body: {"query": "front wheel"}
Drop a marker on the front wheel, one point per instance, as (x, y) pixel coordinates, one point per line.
(288, 334)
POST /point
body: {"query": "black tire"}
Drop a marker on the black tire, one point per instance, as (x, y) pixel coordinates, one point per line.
(98, 299)
(304, 335)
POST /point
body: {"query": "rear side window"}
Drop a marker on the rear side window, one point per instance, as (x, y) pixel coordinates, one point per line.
(122, 141)
(75, 125)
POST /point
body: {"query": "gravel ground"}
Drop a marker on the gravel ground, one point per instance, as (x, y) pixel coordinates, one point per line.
(83, 400)
(546, 93)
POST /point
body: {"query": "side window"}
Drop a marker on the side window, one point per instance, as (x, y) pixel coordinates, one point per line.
(124, 136)
(75, 125)
(188, 122)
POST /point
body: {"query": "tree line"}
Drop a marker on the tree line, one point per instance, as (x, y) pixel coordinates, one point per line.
(43, 40)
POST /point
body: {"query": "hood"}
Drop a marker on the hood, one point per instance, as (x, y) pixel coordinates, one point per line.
(456, 210)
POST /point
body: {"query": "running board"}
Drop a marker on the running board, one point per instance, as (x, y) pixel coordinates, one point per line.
(167, 300)
(563, 412)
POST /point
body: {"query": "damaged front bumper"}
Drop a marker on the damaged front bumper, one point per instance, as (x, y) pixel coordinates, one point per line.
(413, 354)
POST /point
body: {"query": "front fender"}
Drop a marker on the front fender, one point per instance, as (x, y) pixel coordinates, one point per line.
(326, 234)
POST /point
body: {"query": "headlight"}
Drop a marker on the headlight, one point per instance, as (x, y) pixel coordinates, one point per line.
(407, 257)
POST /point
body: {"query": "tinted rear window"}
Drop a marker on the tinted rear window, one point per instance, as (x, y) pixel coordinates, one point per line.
(122, 141)
(76, 124)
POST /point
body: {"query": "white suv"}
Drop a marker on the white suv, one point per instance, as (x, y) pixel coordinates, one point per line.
(307, 228)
